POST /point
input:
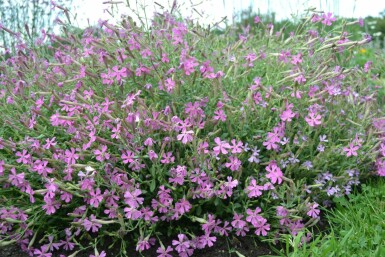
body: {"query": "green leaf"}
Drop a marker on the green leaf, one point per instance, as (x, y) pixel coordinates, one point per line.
(152, 185)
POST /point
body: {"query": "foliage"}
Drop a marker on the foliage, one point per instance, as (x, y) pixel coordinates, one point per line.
(31, 17)
(135, 134)
(357, 227)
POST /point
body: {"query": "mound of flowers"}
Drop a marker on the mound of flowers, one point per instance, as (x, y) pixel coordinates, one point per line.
(183, 132)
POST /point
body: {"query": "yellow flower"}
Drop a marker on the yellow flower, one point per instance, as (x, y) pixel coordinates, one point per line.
(363, 51)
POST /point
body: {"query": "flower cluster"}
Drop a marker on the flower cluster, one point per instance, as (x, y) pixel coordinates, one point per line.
(123, 131)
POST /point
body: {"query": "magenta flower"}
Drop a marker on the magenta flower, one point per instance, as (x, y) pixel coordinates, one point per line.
(169, 84)
(132, 213)
(49, 143)
(181, 207)
(361, 22)
(236, 147)
(189, 64)
(144, 244)
(207, 240)
(296, 59)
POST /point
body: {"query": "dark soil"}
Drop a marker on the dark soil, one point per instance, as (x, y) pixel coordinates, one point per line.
(245, 246)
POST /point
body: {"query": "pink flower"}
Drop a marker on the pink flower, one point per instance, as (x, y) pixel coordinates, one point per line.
(234, 163)
(219, 115)
(71, 156)
(253, 216)
(144, 244)
(24, 157)
(253, 189)
(16, 179)
(313, 119)
(236, 147)
(170, 85)
(328, 19)
(287, 115)
(186, 136)
(221, 146)
(189, 64)
(361, 22)
(351, 150)
(206, 239)
(274, 173)
(119, 74)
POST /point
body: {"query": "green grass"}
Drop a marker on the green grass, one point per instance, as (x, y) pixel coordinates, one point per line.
(357, 227)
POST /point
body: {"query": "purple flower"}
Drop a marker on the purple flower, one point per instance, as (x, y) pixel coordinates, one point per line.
(182, 246)
(261, 227)
(90, 224)
(238, 222)
(313, 211)
(164, 252)
(133, 199)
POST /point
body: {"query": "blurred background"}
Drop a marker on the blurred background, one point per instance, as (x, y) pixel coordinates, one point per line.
(32, 16)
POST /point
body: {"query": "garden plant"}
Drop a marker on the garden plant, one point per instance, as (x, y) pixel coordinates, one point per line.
(170, 135)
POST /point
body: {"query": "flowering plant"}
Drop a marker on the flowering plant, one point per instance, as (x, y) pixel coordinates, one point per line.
(132, 133)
